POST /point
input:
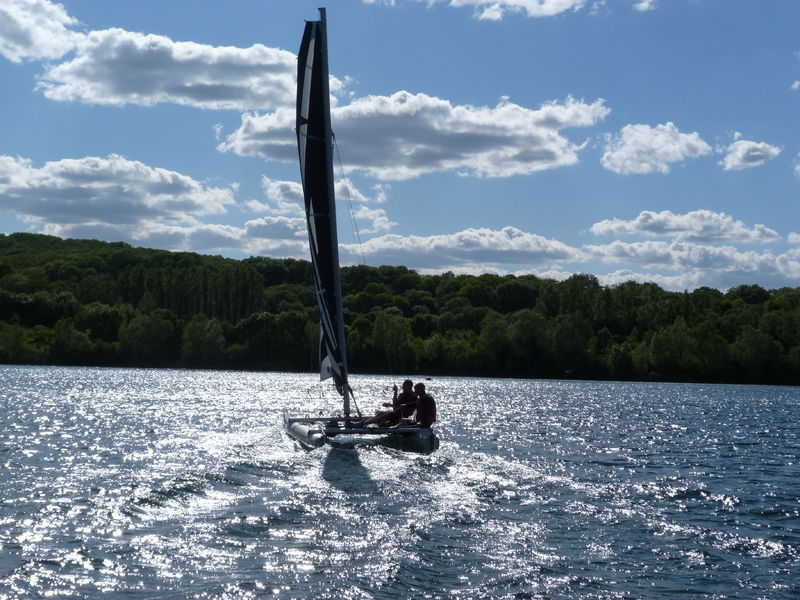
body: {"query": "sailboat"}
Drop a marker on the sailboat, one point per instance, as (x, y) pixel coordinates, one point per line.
(315, 146)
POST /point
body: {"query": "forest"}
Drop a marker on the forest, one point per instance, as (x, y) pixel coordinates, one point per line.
(87, 302)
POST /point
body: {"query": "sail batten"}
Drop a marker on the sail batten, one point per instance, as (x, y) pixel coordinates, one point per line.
(314, 142)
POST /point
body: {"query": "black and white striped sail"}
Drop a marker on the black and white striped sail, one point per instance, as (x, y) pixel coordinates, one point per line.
(314, 142)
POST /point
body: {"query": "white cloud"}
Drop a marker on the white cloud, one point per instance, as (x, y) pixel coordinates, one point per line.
(368, 220)
(197, 237)
(793, 238)
(34, 30)
(742, 154)
(376, 218)
(683, 281)
(104, 197)
(277, 228)
(406, 135)
(252, 239)
(643, 149)
(682, 255)
(270, 136)
(694, 226)
(272, 236)
(462, 249)
(345, 190)
(494, 10)
(781, 271)
(796, 85)
(119, 67)
(286, 198)
(688, 266)
(789, 265)
(283, 198)
(645, 5)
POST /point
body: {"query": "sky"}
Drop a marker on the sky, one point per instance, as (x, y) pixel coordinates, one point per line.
(646, 140)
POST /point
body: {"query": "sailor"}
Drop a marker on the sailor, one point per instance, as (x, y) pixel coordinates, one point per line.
(402, 405)
(406, 402)
(426, 406)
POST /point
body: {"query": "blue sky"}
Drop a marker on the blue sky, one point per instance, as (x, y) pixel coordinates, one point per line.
(632, 139)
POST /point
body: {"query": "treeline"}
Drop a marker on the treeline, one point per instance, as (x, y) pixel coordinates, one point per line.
(86, 302)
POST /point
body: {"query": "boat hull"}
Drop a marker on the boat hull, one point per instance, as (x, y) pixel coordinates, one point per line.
(309, 434)
(314, 433)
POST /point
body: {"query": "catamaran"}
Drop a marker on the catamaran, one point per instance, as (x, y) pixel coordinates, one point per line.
(315, 145)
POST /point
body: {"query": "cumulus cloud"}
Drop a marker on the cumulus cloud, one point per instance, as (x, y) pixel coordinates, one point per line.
(278, 239)
(277, 228)
(464, 248)
(35, 30)
(104, 197)
(286, 198)
(775, 271)
(119, 67)
(494, 10)
(270, 136)
(682, 256)
(789, 265)
(742, 154)
(694, 226)
(645, 5)
(406, 135)
(683, 281)
(282, 198)
(681, 266)
(640, 149)
(376, 219)
(369, 219)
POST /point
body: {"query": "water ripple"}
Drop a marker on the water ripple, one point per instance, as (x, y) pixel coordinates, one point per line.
(173, 484)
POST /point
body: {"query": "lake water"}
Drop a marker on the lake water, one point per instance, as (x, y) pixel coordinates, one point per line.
(181, 484)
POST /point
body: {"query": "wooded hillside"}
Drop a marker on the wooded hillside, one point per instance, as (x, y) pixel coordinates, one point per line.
(96, 303)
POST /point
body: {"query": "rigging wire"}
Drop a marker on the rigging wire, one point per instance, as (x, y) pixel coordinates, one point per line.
(353, 398)
(355, 226)
(345, 181)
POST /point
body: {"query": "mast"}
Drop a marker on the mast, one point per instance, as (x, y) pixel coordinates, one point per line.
(315, 146)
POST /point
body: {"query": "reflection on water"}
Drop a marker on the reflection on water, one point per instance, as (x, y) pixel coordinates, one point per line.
(153, 483)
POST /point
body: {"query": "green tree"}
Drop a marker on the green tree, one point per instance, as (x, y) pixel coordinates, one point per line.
(673, 351)
(71, 345)
(712, 351)
(493, 346)
(529, 336)
(569, 343)
(391, 337)
(514, 295)
(756, 353)
(16, 345)
(150, 339)
(202, 341)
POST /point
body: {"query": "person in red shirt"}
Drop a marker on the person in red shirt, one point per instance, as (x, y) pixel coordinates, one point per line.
(426, 406)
